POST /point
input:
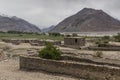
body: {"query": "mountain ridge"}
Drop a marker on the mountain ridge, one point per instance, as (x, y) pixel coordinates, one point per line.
(17, 24)
(88, 20)
(48, 29)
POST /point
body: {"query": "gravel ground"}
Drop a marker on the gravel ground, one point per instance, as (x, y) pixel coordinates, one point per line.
(9, 70)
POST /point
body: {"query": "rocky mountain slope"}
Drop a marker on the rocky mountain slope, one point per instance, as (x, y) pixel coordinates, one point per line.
(88, 20)
(16, 24)
(48, 29)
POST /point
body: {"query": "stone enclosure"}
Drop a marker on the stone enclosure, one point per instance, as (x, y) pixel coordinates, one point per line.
(32, 42)
(86, 70)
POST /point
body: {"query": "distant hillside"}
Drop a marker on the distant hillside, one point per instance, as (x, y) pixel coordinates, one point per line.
(88, 20)
(48, 29)
(16, 24)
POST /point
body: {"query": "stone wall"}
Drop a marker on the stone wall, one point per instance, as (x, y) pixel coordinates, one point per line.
(74, 42)
(80, 70)
(1, 55)
(105, 48)
(97, 61)
(32, 42)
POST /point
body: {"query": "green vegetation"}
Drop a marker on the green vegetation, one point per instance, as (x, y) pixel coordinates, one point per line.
(98, 54)
(68, 35)
(54, 34)
(74, 35)
(20, 35)
(50, 52)
(117, 37)
(106, 38)
(101, 42)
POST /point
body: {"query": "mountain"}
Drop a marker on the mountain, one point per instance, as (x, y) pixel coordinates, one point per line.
(48, 29)
(16, 24)
(88, 20)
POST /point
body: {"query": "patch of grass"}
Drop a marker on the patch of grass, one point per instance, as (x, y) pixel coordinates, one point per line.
(27, 36)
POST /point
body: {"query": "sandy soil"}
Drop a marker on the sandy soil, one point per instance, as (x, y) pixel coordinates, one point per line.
(9, 70)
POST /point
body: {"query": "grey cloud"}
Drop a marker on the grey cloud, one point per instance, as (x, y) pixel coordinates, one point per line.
(45, 13)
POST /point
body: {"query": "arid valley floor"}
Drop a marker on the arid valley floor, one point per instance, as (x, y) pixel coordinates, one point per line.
(9, 67)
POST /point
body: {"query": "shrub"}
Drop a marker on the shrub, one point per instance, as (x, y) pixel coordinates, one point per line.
(98, 54)
(117, 37)
(50, 52)
(55, 34)
(101, 43)
(74, 35)
(106, 37)
(68, 35)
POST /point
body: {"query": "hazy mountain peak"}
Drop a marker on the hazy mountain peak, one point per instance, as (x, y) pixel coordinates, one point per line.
(16, 24)
(88, 20)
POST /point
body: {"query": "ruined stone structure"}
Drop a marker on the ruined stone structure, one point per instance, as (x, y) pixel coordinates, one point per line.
(104, 48)
(81, 70)
(1, 55)
(74, 42)
(32, 42)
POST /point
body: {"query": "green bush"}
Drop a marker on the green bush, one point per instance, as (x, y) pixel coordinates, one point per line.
(54, 34)
(106, 37)
(101, 43)
(50, 52)
(74, 35)
(98, 54)
(117, 37)
(68, 35)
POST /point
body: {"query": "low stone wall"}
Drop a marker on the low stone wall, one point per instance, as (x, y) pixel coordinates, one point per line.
(105, 48)
(32, 42)
(96, 61)
(1, 55)
(80, 70)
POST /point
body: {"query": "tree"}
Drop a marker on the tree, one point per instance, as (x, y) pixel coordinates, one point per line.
(50, 52)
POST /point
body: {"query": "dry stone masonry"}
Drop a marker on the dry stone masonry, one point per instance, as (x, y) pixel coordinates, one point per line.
(81, 70)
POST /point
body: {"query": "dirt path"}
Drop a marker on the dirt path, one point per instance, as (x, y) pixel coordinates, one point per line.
(9, 70)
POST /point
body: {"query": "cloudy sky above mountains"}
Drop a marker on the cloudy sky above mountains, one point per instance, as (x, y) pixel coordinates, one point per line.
(45, 13)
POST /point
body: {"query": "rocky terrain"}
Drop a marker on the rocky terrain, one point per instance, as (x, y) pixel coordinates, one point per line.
(9, 67)
(88, 20)
(16, 24)
(48, 29)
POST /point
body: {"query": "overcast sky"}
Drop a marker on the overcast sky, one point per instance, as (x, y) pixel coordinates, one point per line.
(45, 13)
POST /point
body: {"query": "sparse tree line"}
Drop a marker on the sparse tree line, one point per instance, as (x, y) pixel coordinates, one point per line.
(104, 39)
(18, 32)
(54, 34)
